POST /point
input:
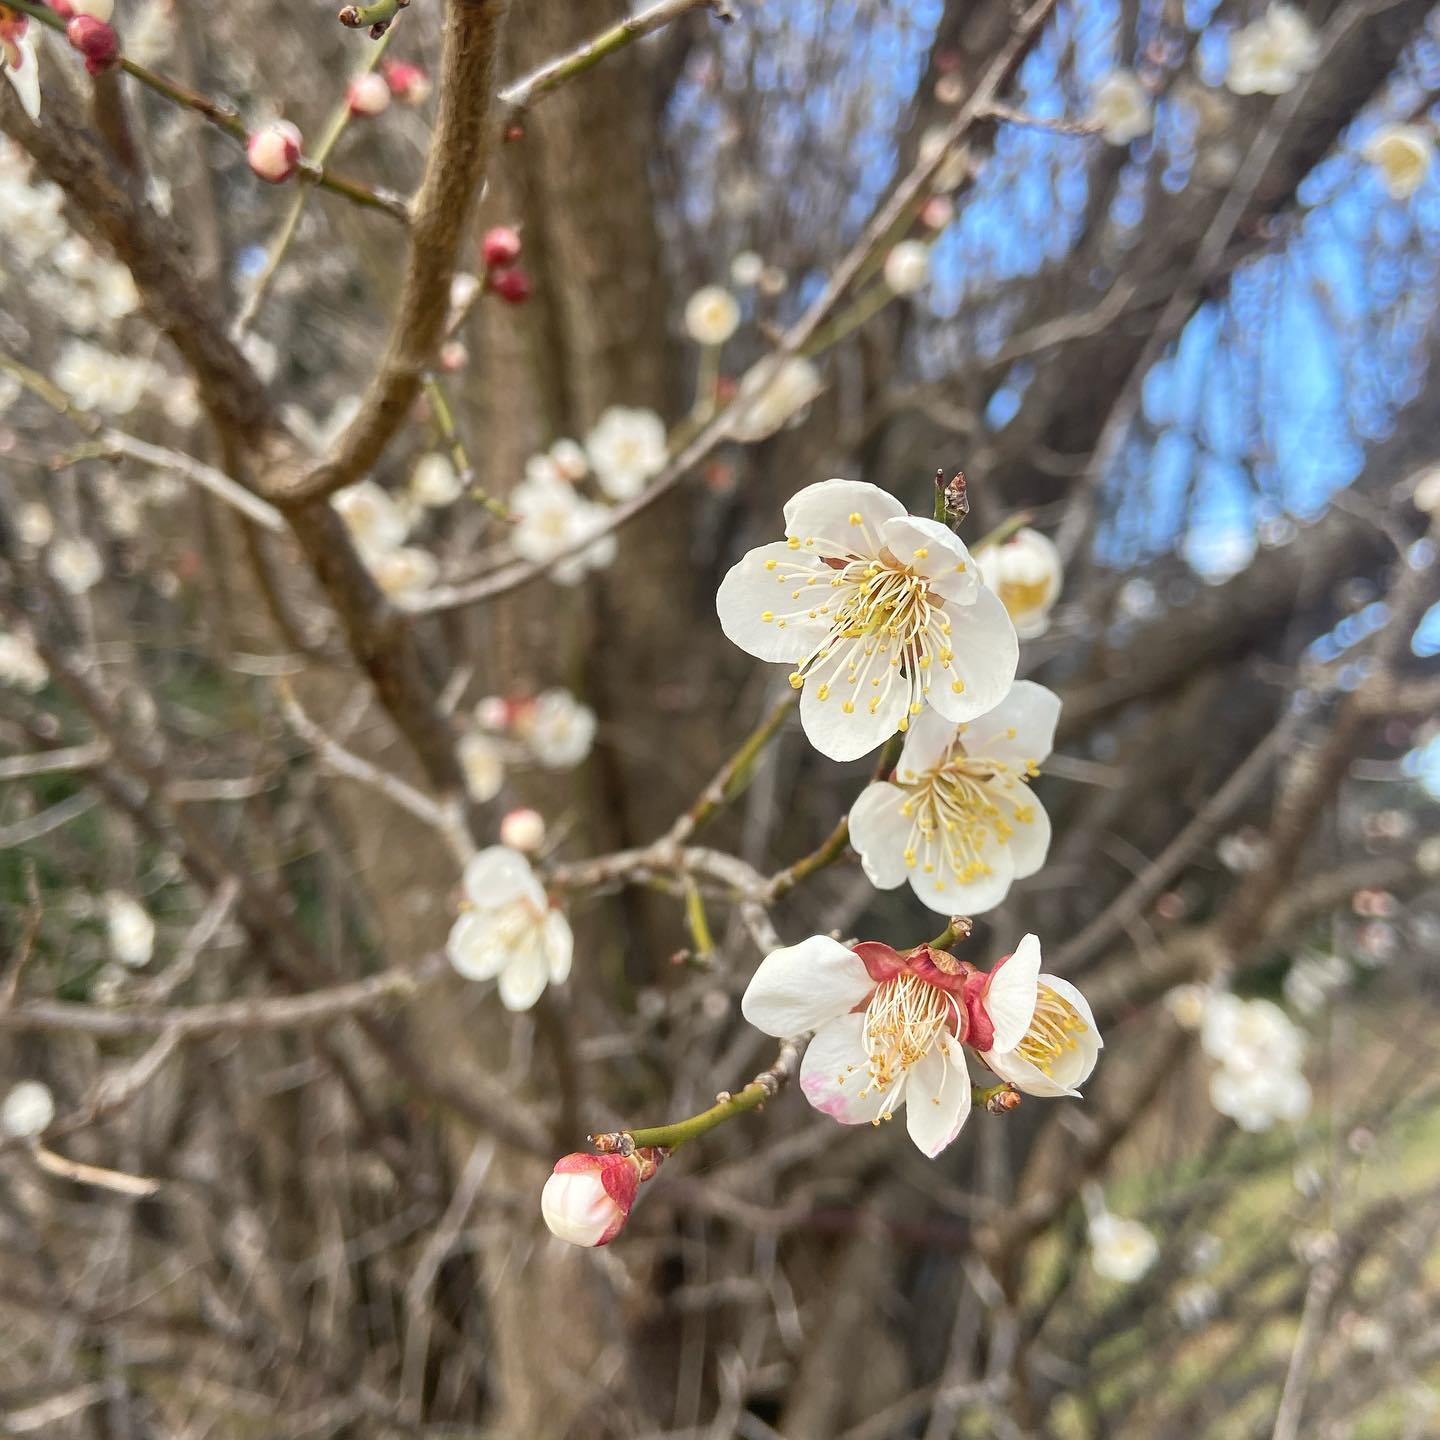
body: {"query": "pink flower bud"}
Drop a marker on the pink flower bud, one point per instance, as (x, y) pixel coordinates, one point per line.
(95, 40)
(500, 248)
(512, 286)
(588, 1198)
(453, 357)
(408, 83)
(274, 152)
(523, 829)
(368, 94)
(493, 713)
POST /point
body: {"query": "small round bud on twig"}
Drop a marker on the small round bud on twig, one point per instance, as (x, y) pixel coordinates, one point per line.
(513, 285)
(523, 830)
(95, 40)
(500, 247)
(1003, 1101)
(274, 152)
(368, 94)
(408, 83)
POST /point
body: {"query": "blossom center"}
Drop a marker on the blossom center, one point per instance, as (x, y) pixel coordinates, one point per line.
(1053, 1030)
(1021, 596)
(902, 1022)
(886, 627)
(959, 809)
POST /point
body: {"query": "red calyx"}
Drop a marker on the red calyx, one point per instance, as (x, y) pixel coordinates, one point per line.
(512, 286)
(95, 40)
(981, 1027)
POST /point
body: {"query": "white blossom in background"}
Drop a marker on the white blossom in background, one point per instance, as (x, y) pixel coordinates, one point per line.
(374, 520)
(94, 292)
(1195, 1303)
(320, 435)
(434, 482)
(20, 663)
(97, 380)
(493, 713)
(129, 930)
(74, 564)
(558, 728)
(31, 211)
(1269, 55)
(746, 269)
(1026, 572)
(1121, 108)
(626, 448)
(1426, 494)
(523, 829)
(1313, 980)
(482, 764)
(879, 613)
(772, 281)
(27, 1110)
(405, 571)
(712, 315)
(954, 169)
(1402, 154)
(508, 932)
(907, 267)
(1258, 1052)
(770, 396)
(1187, 1005)
(1121, 1249)
(150, 34)
(551, 519)
(19, 58)
(35, 525)
(958, 820)
(570, 460)
(264, 356)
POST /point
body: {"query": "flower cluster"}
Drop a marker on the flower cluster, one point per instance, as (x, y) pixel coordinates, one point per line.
(1258, 1052)
(1269, 55)
(891, 1029)
(380, 523)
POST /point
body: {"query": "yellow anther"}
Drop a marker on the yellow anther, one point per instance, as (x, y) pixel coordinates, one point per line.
(922, 553)
(767, 616)
(796, 679)
(856, 518)
(958, 686)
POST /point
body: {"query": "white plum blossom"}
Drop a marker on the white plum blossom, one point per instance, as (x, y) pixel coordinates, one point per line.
(1121, 108)
(880, 613)
(31, 213)
(957, 820)
(1121, 1249)
(97, 380)
(1026, 572)
(907, 267)
(552, 520)
(746, 269)
(626, 448)
(890, 1028)
(27, 1110)
(74, 564)
(434, 482)
(570, 461)
(374, 520)
(20, 662)
(1060, 1042)
(1259, 1052)
(482, 764)
(1313, 979)
(1402, 154)
(770, 396)
(1269, 55)
(558, 728)
(129, 930)
(1187, 1005)
(508, 930)
(405, 571)
(712, 315)
(954, 168)
(19, 45)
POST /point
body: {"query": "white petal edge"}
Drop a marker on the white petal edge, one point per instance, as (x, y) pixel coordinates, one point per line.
(987, 652)
(523, 980)
(879, 833)
(1031, 710)
(927, 740)
(500, 876)
(750, 590)
(935, 551)
(1012, 992)
(823, 511)
(800, 987)
(559, 942)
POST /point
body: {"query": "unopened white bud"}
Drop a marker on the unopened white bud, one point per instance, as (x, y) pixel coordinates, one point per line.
(523, 829)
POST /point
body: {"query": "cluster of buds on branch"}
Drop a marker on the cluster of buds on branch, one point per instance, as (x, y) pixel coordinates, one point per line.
(500, 254)
(378, 17)
(89, 31)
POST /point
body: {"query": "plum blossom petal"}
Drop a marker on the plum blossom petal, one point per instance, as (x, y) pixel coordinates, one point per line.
(937, 1097)
(833, 1076)
(800, 987)
(986, 653)
(827, 510)
(499, 876)
(766, 600)
(1060, 1047)
(1011, 994)
(880, 831)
